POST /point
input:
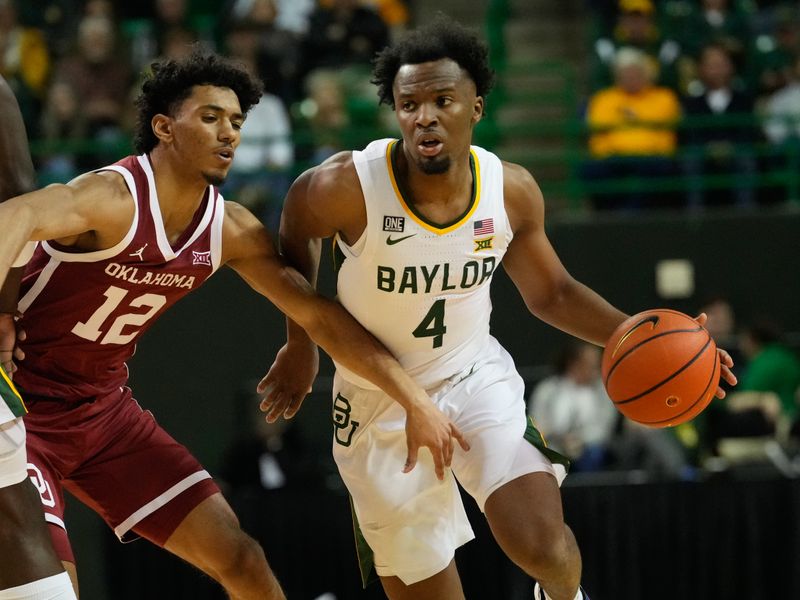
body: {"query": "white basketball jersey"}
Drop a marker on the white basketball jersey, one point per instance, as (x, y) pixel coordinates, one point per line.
(421, 288)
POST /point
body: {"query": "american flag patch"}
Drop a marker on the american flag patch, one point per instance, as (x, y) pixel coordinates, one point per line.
(483, 227)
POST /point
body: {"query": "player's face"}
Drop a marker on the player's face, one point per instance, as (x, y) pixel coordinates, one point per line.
(437, 107)
(207, 130)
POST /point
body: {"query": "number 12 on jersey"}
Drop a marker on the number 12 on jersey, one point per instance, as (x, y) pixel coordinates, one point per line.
(432, 325)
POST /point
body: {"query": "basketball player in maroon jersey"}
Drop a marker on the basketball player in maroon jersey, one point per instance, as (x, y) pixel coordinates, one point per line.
(117, 248)
(29, 564)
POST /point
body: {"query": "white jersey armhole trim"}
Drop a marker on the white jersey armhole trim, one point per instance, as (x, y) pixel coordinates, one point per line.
(117, 248)
(155, 210)
(40, 283)
(216, 233)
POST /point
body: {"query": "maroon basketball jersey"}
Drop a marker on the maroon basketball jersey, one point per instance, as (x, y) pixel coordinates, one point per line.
(83, 312)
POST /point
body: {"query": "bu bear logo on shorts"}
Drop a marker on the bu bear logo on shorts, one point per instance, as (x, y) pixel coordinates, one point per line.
(343, 427)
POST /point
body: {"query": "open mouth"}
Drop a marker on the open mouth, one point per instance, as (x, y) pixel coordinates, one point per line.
(226, 154)
(429, 146)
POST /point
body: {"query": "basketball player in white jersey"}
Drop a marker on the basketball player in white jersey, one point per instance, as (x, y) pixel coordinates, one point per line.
(421, 225)
(33, 569)
(116, 248)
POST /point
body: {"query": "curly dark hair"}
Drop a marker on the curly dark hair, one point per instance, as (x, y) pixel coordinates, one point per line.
(443, 38)
(171, 82)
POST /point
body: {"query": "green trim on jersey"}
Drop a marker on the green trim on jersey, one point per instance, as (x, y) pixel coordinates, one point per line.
(366, 558)
(337, 256)
(10, 396)
(537, 440)
(406, 195)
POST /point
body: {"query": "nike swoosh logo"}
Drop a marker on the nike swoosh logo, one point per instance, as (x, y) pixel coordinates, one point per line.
(654, 320)
(390, 241)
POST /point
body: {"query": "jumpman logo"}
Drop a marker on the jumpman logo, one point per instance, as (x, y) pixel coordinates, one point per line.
(139, 252)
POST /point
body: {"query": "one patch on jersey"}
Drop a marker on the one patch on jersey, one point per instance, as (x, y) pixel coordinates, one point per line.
(394, 223)
(483, 227)
(201, 258)
(483, 244)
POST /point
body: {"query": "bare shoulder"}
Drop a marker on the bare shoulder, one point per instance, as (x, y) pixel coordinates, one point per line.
(242, 233)
(523, 198)
(326, 199)
(336, 176)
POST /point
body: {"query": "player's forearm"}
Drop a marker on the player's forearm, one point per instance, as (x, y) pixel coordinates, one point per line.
(304, 256)
(17, 223)
(9, 294)
(579, 311)
(348, 343)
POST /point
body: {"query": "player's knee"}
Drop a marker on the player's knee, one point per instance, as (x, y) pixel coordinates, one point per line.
(242, 554)
(545, 551)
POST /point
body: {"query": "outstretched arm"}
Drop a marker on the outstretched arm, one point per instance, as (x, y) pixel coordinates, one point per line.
(549, 291)
(248, 250)
(16, 177)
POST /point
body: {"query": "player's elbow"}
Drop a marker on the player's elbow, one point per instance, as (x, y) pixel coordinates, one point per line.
(554, 296)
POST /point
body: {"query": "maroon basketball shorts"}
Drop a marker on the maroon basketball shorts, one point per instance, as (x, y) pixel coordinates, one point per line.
(115, 458)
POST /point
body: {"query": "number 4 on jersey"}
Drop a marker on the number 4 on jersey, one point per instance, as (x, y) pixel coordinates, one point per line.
(433, 324)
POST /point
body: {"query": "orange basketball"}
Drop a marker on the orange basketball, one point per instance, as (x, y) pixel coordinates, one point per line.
(661, 368)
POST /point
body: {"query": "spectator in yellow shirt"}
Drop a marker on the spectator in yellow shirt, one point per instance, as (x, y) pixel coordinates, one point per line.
(632, 130)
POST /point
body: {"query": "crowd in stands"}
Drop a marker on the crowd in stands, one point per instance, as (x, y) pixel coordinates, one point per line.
(703, 94)
(76, 65)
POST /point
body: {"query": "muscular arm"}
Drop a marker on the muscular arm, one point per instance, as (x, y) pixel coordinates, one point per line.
(549, 291)
(16, 176)
(249, 251)
(95, 206)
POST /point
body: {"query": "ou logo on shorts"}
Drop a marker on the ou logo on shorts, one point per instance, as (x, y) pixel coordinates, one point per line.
(41, 485)
(343, 427)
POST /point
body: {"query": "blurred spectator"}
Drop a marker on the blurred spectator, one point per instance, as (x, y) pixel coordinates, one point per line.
(717, 22)
(771, 365)
(341, 34)
(763, 404)
(782, 110)
(56, 19)
(632, 133)
(572, 409)
(259, 177)
(24, 62)
(278, 52)
(101, 78)
(721, 324)
(718, 135)
(63, 127)
(775, 54)
(322, 116)
(636, 28)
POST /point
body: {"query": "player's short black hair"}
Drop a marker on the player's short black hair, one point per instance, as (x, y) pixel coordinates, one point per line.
(171, 82)
(443, 38)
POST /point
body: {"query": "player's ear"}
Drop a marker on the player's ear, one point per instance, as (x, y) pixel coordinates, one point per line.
(162, 127)
(477, 110)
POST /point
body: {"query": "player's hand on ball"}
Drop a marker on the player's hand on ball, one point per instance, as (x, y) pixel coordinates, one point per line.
(427, 426)
(288, 381)
(725, 362)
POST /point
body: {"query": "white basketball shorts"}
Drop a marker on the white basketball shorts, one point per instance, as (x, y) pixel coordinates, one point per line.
(412, 522)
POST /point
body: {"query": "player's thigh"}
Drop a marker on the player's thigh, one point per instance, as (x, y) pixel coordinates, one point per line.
(492, 417)
(526, 513)
(412, 522)
(144, 483)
